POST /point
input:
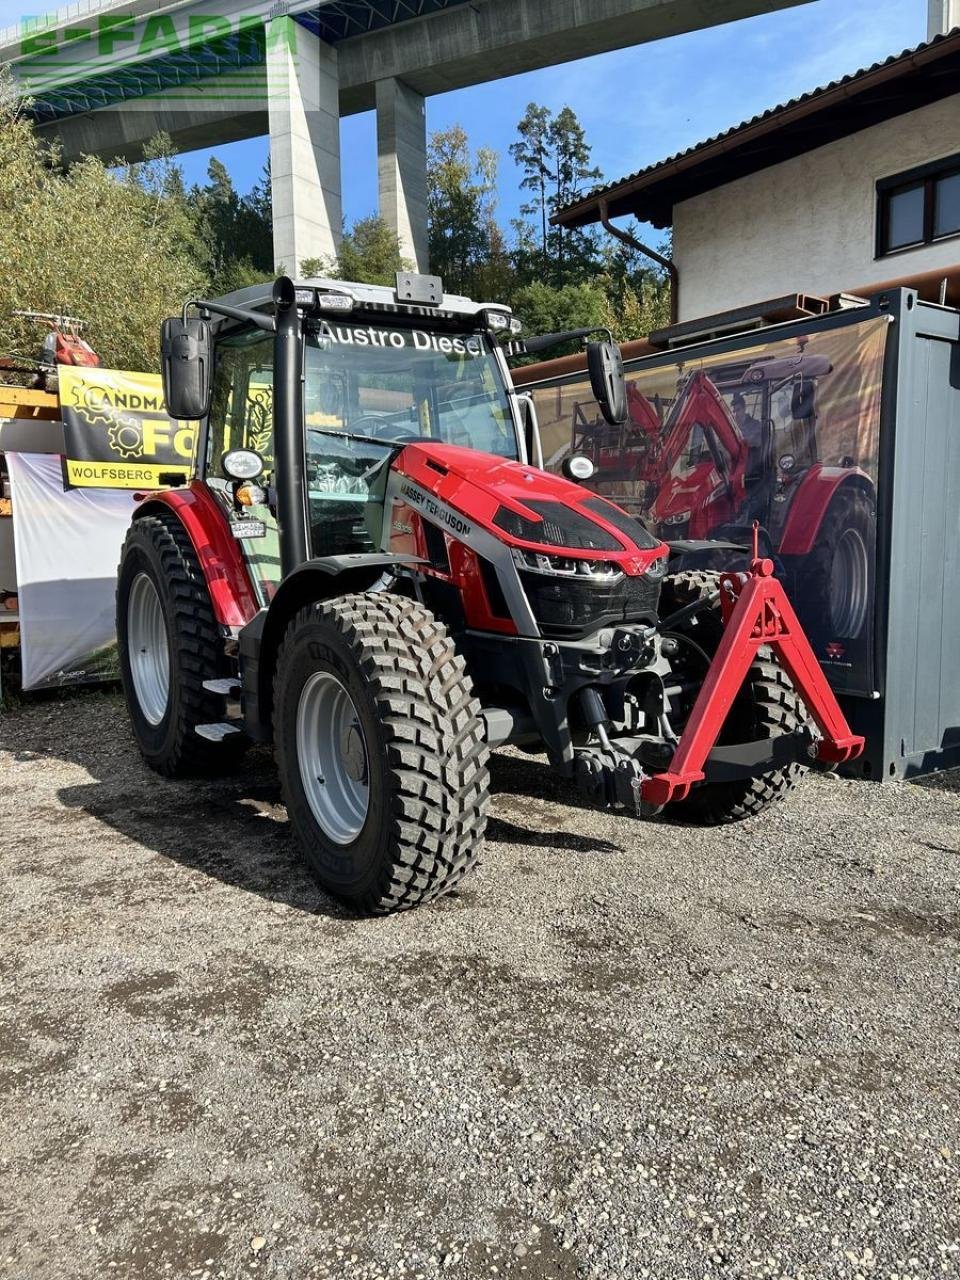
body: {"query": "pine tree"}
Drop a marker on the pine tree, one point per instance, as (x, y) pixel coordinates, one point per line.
(461, 207)
(532, 155)
(571, 171)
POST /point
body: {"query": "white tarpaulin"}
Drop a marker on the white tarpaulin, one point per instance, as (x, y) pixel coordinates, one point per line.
(67, 549)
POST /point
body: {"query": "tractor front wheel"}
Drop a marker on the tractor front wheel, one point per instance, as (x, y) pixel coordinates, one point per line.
(381, 750)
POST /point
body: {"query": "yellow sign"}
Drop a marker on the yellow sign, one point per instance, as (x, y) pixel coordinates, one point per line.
(117, 434)
(120, 475)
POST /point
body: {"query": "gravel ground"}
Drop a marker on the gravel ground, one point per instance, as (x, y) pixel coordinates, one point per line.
(621, 1050)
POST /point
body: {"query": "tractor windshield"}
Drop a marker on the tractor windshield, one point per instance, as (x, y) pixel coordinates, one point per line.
(366, 383)
(403, 384)
(363, 384)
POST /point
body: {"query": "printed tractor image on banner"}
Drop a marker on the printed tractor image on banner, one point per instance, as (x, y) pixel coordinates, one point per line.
(117, 434)
(785, 433)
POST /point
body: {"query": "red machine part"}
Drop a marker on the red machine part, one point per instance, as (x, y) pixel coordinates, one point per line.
(701, 405)
(463, 571)
(71, 349)
(810, 502)
(642, 413)
(465, 480)
(756, 612)
(217, 550)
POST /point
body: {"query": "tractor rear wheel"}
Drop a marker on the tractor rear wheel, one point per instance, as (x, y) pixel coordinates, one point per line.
(381, 750)
(836, 578)
(766, 707)
(169, 645)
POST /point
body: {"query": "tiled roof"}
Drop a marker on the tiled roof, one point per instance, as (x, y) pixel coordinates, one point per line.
(767, 121)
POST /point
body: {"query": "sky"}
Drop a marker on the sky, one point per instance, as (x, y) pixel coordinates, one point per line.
(637, 105)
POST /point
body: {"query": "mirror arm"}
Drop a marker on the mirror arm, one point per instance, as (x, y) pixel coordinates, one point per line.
(543, 341)
(257, 318)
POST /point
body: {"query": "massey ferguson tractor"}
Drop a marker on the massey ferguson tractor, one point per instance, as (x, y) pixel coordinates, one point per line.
(389, 585)
(721, 458)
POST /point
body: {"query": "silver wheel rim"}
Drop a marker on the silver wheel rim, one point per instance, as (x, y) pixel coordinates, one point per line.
(148, 649)
(849, 579)
(333, 759)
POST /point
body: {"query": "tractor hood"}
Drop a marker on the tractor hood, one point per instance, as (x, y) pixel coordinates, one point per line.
(526, 507)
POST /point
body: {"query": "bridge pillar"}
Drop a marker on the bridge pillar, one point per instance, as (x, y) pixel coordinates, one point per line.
(402, 167)
(943, 16)
(304, 115)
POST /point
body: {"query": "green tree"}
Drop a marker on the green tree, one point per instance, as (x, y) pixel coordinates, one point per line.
(369, 253)
(573, 251)
(120, 252)
(531, 153)
(544, 308)
(554, 156)
(636, 288)
(226, 221)
(466, 246)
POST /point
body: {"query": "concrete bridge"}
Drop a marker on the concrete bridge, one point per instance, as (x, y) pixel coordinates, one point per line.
(106, 76)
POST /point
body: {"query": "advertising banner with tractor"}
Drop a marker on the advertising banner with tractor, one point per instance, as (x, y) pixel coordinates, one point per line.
(784, 433)
(117, 433)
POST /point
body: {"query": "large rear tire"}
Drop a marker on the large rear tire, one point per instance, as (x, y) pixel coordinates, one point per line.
(169, 645)
(835, 593)
(381, 750)
(767, 706)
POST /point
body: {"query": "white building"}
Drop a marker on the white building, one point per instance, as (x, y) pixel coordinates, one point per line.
(855, 184)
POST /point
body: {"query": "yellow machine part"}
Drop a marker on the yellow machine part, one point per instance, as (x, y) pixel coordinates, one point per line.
(25, 402)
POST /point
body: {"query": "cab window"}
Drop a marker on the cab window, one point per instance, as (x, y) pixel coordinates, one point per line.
(241, 416)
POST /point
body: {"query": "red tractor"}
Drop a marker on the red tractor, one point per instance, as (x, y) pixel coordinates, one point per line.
(389, 585)
(739, 444)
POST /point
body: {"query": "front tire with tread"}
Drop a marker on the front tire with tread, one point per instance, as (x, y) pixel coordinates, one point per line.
(426, 750)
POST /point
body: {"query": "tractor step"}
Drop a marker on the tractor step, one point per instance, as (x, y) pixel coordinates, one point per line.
(216, 732)
(228, 688)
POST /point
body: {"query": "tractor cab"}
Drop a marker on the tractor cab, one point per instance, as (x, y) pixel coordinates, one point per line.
(773, 402)
(376, 377)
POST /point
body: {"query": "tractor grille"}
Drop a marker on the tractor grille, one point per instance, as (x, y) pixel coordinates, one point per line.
(567, 609)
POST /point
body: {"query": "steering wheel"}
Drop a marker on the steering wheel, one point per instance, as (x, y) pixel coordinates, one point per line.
(372, 426)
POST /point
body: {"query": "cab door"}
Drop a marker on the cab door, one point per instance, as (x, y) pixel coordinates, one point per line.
(241, 417)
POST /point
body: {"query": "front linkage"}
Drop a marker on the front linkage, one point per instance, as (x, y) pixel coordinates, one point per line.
(756, 613)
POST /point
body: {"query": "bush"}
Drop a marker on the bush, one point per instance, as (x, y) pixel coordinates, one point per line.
(117, 250)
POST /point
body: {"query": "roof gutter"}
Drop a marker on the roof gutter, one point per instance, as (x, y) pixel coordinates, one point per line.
(631, 242)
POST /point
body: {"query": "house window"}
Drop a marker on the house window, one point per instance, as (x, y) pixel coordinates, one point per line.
(919, 207)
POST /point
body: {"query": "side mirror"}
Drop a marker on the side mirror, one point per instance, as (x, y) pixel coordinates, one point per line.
(186, 348)
(802, 400)
(578, 467)
(607, 382)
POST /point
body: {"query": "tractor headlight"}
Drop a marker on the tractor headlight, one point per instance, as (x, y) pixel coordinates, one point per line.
(567, 566)
(242, 464)
(656, 570)
(678, 517)
(341, 302)
(501, 322)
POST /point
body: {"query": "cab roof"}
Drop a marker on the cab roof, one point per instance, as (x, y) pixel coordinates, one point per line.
(368, 298)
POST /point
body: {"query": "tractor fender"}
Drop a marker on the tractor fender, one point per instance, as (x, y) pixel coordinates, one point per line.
(810, 503)
(260, 639)
(218, 552)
